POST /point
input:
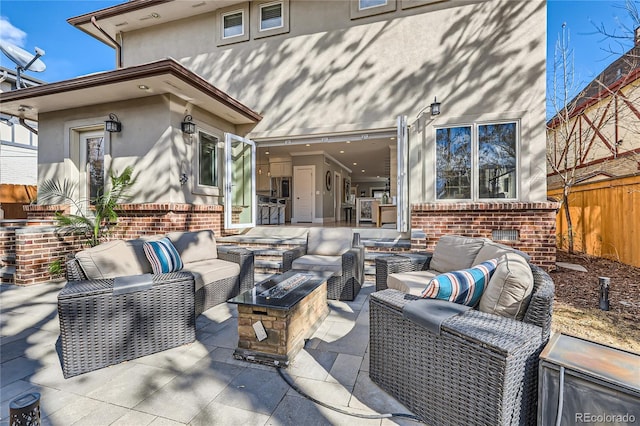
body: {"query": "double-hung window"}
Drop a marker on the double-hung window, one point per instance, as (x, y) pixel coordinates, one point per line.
(233, 24)
(271, 16)
(477, 161)
(367, 4)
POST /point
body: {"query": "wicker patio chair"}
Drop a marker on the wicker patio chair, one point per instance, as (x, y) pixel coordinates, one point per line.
(482, 369)
(99, 329)
(336, 249)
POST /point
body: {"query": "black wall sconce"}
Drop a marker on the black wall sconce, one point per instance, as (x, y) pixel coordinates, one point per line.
(113, 125)
(188, 126)
(435, 107)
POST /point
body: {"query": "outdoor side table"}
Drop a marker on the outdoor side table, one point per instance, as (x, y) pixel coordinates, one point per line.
(397, 263)
(99, 328)
(592, 383)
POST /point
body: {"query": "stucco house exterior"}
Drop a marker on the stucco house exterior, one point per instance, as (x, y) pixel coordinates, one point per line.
(601, 161)
(298, 78)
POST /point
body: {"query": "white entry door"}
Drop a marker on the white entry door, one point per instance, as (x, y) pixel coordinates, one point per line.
(303, 193)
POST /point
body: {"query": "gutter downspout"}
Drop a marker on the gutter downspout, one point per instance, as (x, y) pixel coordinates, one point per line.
(26, 126)
(94, 21)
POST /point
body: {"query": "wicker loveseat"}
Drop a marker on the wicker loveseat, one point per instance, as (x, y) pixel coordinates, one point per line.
(478, 368)
(331, 249)
(102, 325)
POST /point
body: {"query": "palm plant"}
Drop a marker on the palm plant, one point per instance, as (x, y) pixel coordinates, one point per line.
(93, 223)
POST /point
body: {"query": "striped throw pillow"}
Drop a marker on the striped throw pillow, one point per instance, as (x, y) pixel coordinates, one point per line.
(464, 287)
(163, 256)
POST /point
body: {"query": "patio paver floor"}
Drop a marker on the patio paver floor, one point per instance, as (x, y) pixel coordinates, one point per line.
(200, 383)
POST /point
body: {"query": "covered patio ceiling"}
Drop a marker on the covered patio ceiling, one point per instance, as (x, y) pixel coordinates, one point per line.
(166, 76)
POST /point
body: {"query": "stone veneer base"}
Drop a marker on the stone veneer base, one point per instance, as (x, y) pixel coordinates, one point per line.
(286, 329)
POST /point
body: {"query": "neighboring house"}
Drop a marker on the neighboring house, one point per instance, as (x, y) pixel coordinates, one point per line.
(603, 160)
(18, 153)
(338, 91)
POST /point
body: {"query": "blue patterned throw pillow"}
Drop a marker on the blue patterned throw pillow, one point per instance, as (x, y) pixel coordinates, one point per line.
(464, 287)
(163, 256)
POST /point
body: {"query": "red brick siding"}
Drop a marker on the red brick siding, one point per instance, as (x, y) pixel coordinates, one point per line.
(535, 223)
(36, 247)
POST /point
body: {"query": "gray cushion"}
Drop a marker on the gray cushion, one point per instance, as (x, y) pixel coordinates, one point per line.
(113, 259)
(509, 289)
(411, 282)
(207, 271)
(493, 250)
(314, 262)
(329, 241)
(194, 246)
(454, 252)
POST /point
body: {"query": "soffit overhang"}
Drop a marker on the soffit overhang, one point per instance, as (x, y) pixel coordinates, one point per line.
(138, 14)
(166, 76)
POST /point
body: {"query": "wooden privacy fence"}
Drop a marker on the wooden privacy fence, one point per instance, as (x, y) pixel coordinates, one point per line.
(13, 197)
(606, 219)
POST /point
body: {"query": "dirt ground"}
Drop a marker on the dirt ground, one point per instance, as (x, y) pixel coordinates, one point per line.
(576, 308)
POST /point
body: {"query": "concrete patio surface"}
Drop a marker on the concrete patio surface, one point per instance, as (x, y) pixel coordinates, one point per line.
(196, 384)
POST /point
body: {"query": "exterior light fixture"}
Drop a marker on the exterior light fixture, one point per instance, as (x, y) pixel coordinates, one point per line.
(435, 107)
(188, 126)
(113, 125)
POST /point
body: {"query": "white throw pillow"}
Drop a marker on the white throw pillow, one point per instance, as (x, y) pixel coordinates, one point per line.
(509, 289)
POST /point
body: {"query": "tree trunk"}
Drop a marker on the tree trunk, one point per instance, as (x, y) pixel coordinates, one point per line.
(567, 215)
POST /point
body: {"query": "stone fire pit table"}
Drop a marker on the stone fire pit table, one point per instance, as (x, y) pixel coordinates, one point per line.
(276, 317)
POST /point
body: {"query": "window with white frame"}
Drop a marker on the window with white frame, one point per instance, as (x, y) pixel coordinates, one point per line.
(233, 24)
(368, 4)
(271, 16)
(208, 159)
(477, 161)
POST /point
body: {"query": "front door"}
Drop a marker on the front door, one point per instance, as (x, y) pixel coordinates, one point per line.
(303, 193)
(240, 182)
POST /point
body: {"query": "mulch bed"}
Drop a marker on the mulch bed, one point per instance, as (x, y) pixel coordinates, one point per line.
(577, 312)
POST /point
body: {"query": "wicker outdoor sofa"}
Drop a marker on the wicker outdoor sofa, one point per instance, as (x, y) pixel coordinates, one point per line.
(480, 369)
(99, 327)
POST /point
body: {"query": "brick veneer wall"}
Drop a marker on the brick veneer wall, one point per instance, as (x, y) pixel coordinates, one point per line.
(36, 247)
(535, 223)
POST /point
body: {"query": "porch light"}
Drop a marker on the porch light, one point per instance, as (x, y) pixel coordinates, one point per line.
(113, 125)
(188, 126)
(435, 107)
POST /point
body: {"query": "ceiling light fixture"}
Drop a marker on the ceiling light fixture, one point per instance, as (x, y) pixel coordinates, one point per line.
(143, 87)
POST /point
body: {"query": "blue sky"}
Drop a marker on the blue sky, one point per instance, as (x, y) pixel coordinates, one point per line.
(70, 52)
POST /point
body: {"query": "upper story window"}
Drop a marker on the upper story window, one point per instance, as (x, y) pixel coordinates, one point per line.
(364, 8)
(367, 4)
(270, 16)
(477, 162)
(233, 24)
